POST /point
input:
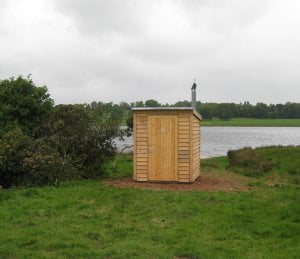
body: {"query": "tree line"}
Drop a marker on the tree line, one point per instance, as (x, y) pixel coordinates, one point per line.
(226, 111)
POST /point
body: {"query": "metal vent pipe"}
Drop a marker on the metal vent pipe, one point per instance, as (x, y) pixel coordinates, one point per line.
(194, 95)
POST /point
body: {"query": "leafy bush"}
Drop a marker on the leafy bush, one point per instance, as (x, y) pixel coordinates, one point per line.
(249, 162)
(44, 165)
(72, 131)
(25, 161)
(12, 147)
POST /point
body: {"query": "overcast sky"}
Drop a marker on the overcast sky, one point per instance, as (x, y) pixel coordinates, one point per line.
(129, 50)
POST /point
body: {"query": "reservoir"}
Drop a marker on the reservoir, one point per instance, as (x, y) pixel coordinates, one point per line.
(216, 141)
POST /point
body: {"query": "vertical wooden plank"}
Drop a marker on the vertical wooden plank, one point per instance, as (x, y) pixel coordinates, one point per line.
(134, 145)
(196, 149)
(191, 147)
(152, 157)
(175, 147)
(169, 147)
(200, 146)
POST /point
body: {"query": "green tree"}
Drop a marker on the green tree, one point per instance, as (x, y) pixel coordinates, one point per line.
(292, 110)
(124, 106)
(225, 112)
(23, 104)
(138, 104)
(152, 103)
(247, 110)
(108, 114)
(182, 104)
(261, 111)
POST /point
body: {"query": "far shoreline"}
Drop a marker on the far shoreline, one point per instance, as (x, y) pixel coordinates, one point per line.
(244, 122)
(251, 122)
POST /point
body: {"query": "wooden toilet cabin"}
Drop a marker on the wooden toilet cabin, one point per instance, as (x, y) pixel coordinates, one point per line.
(166, 144)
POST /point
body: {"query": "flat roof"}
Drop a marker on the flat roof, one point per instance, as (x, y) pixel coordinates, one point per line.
(168, 109)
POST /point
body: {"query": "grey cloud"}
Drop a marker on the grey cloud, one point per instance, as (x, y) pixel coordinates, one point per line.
(104, 17)
(129, 50)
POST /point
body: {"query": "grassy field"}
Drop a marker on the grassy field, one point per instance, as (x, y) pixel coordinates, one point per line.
(90, 219)
(248, 122)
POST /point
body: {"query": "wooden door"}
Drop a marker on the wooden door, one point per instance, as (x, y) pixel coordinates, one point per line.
(162, 132)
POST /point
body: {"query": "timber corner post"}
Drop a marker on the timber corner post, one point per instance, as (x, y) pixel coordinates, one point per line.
(134, 145)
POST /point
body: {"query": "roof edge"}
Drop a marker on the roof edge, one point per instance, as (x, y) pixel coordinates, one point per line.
(198, 115)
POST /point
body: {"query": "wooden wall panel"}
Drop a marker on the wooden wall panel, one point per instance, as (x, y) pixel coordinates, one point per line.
(134, 147)
(196, 148)
(140, 146)
(184, 141)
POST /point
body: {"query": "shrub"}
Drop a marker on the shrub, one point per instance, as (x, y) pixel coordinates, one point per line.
(44, 165)
(74, 132)
(249, 162)
(12, 147)
(25, 161)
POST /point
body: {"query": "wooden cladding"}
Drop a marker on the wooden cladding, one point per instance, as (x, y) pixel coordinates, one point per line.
(196, 148)
(166, 145)
(184, 141)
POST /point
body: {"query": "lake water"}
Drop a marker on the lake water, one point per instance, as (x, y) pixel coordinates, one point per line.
(216, 141)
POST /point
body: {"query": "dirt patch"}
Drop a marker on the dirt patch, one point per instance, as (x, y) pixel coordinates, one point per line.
(205, 182)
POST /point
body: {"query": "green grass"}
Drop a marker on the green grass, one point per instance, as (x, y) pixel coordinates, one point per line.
(286, 160)
(122, 166)
(215, 163)
(253, 122)
(89, 219)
